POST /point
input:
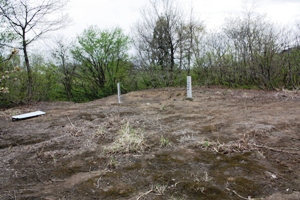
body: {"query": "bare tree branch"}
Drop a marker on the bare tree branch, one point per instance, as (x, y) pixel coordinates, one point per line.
(31, 20)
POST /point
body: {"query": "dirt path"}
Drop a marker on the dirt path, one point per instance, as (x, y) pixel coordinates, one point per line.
(225, 144)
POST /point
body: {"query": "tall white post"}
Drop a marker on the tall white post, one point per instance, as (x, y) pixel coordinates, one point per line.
(119, 92)
(189, 87)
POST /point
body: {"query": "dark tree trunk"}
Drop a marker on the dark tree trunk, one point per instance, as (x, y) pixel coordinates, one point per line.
(29, 72)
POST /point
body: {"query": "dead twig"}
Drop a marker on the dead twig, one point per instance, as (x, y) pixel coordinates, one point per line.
(249, 198)
(246, 198)
(178, 183)
(98, 182)
(38, 178)
(55, 180)
(274, 149)
(70, 122)
(144, 194)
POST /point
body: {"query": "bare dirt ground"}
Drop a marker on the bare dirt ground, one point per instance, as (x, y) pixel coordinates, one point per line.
(225, 144)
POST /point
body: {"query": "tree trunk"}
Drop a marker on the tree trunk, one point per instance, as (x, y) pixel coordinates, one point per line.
(29, 72)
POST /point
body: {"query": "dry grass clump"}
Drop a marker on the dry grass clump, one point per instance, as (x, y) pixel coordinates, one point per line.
(128, 140)
(242, 145)
(245, 144)
(8, 113)
(158, 189)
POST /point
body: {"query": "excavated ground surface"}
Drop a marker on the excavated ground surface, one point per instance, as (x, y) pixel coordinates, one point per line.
(225, 144)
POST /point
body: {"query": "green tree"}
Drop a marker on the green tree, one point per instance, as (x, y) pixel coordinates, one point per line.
(66, 65)
(290, 58)
(256, 46)
(46, 78)
(30, 20)
(164, 41)
(102, 57)
(9, 80)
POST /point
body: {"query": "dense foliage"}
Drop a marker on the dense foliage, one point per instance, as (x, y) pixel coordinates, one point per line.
(102, 57)
(247, 52)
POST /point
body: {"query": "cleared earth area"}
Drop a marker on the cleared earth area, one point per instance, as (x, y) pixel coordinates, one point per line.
(225, 144)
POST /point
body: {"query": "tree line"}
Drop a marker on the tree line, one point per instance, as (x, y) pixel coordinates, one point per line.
(166, 45)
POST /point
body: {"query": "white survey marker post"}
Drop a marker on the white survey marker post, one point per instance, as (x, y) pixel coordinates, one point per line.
(189, 87)
(119, 92)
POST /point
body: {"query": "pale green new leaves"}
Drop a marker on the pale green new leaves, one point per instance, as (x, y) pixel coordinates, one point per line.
(102, 56)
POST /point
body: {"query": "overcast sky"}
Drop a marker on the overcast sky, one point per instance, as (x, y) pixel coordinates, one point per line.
(124, 13)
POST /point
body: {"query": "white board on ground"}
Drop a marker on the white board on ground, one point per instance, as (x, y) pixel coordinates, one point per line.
(28, 115)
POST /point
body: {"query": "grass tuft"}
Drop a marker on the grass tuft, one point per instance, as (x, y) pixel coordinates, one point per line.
(164, 142)
(128, 140)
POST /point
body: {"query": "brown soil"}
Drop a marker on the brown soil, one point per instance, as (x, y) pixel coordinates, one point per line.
(225, 144)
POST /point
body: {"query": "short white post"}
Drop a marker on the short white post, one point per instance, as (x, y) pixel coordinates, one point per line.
(119, 93)
(189, 88)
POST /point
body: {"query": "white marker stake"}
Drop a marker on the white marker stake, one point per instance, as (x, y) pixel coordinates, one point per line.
(189, 87)
(119, 93)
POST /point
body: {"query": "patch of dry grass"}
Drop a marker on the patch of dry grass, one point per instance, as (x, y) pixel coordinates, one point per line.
(128, 140)
(8, 113)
